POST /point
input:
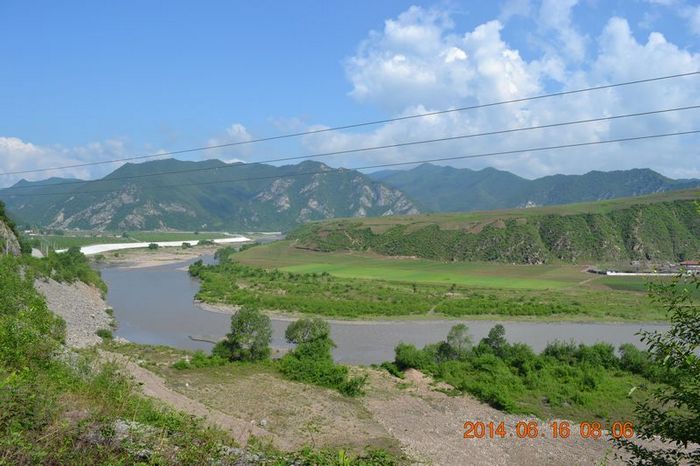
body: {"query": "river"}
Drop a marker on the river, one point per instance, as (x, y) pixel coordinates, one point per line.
(154, 305)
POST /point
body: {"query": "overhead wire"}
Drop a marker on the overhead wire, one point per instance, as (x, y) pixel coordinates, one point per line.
(358, 125)
(366, 149)
(331, 171)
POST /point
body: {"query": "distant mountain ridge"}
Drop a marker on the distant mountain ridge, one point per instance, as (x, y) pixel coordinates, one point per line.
(446, 189)
(210, 195)
(214, 195)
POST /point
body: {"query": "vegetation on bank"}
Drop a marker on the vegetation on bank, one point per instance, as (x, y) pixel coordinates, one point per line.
(565, 380)
(323, 294)
(662, 231)
(671, 412)
(65, 407)
(311, 361)
(59, 409)
(69, 266)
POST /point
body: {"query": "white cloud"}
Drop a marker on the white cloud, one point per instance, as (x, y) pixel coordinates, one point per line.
(693, 16)
(18, 155)
(234, 133)
(419, 63)
(556, 16)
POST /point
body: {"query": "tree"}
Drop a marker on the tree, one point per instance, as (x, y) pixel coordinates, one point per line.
(459, 340)
(496, 339)
(306, 330)
(249, 339)
(671, 411)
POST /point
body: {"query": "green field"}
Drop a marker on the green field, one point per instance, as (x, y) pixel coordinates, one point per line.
(284, 256)
(283, 278)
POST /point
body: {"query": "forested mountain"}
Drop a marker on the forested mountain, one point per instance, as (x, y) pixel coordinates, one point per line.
(208, 195)
(447, 189)
(656, 228)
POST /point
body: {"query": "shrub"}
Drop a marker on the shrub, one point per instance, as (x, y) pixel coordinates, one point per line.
(199, 360)
(249, 339)
(312, 361)
(153, 246)
(305, 330)
(104, 334)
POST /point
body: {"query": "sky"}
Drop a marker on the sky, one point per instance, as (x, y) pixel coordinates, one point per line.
(93, 81)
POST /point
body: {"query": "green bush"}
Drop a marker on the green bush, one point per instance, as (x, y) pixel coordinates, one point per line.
(153, 246)
(69, 266)
(565, 379)
(312, 360)
(104, 334)
(249, 339)
(199, 360)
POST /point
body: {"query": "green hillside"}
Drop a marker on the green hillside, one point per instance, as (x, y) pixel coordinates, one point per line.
(661, 227)
(446, 189)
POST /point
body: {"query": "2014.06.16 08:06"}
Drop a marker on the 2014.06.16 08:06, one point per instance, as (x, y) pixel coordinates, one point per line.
(556, 429)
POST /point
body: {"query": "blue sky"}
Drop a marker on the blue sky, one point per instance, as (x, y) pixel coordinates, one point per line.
(84, 81)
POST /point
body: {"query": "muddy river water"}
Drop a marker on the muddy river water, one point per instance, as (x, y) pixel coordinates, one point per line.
(155, 305)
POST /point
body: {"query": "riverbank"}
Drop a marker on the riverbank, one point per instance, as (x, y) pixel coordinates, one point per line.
(81, 306)
(230, 309)
(406, 415)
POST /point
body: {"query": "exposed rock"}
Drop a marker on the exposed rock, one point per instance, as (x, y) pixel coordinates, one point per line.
(81, 306)
(8, 241)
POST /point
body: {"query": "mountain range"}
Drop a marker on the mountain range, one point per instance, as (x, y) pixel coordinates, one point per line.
(447, 189)
(213, 195)
(202, 195)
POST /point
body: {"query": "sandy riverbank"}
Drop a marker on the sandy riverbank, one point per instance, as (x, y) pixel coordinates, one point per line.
(140, 258)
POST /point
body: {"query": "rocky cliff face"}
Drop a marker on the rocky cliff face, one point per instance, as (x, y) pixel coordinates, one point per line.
(8, 241)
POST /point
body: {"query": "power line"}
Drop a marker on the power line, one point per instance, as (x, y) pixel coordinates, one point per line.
(373, 148)
(359, 125)
(385, 165)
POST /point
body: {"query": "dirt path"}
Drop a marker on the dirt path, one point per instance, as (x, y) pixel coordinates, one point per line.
(429, 425)
(154, 386)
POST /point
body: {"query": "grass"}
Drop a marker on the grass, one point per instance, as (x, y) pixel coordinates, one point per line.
(352, 285)
(284, 256)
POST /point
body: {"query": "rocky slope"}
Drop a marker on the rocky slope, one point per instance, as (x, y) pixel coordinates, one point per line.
(82, 308)
(205, 195)
(8, 236)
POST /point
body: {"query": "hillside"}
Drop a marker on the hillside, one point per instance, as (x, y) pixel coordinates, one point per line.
(661, 227)
(447, 189)
(9, 243)
(265, 197)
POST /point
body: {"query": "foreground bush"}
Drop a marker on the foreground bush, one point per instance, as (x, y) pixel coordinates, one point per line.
(249, 339)
(566, 379)
(312, 359)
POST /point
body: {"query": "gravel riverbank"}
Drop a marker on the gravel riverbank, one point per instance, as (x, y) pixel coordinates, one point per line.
(81, 306)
